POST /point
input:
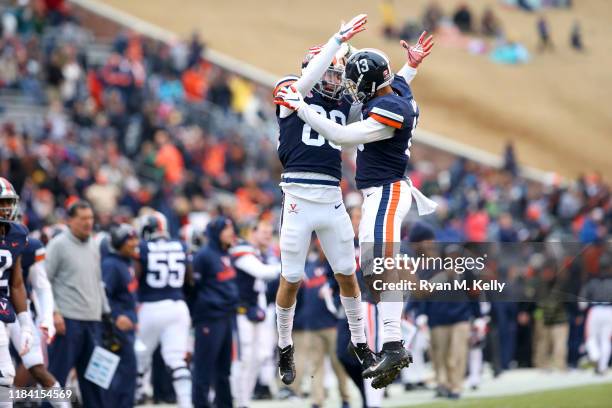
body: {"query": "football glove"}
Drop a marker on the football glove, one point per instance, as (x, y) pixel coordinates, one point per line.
(290, 98)
(27, 332)
(418, 52)
(348, 30)
(110, 339)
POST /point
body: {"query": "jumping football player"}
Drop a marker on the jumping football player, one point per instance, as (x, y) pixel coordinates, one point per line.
(384, 139)
(313, 199)
(163, 316)
(13, 296)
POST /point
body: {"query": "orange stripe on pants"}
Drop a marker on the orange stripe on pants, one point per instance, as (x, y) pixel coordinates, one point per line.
(395, 197)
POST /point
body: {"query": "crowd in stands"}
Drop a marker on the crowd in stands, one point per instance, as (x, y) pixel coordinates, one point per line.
(160, 126)
(479, 31)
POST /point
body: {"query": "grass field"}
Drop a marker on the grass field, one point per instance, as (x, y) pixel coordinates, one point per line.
(592, 396)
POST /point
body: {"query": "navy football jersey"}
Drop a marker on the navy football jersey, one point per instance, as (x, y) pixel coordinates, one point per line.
(33, 252)
(164, 264)
(12, 245)
(300, 148)
(385, 161)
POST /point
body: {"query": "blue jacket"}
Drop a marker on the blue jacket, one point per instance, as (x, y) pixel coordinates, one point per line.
(120, 284)
(216, 290)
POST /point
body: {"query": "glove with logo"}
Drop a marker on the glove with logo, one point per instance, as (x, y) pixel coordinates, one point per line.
(290, 98)
(418, 52)
(348, 30)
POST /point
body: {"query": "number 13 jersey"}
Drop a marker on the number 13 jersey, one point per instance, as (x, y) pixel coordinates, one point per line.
(164, 264)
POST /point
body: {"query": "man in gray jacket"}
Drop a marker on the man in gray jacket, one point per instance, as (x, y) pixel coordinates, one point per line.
(73, 267)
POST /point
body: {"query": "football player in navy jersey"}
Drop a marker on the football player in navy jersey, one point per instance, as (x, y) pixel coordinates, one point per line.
(312, 197)
(163, 316)
(383, 138)
(252, 274)
(38, 289)
(13, 297)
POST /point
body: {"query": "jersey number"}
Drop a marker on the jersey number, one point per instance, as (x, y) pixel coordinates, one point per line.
(362, 66)
(307, 132)
(6, 261)
(166, 269)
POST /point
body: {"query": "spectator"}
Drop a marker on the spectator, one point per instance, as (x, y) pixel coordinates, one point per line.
(490, 25)
(463, 18)
(388, 12)
(213, 315)
(121, 284)
(73, 266)
(169, 158)
(196, 49)
(432, 17)
(576, 37)
(544, 35)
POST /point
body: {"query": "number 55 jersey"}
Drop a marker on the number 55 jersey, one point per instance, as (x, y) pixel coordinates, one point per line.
(164, 264)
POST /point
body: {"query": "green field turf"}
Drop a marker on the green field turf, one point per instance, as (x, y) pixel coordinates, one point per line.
(592, 396)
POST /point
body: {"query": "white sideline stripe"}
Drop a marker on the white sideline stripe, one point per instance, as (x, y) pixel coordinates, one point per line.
(388, 114)
(267, 79)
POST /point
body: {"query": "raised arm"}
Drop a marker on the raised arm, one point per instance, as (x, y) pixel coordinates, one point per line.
(364, 131)
(415, 54)
(324, 56)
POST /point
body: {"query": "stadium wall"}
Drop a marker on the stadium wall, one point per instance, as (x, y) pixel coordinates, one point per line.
(95, 10)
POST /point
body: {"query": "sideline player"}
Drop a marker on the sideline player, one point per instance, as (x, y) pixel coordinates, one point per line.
(252, 272)
(163, 316)
(13, 296)
(40, 294)
(313, 200)
(384, 138)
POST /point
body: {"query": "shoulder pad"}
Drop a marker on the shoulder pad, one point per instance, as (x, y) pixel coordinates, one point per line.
(400, 86)
(391, 110)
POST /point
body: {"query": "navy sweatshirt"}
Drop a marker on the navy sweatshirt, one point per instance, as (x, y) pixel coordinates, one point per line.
(216, 290)
(120, 284)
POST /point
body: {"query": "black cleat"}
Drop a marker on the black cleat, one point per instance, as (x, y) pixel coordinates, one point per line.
(286, 365)
(392, 359)
(363, 354)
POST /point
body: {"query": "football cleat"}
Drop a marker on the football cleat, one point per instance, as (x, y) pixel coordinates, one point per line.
(286, 365)
(392, 359)
(363, 354)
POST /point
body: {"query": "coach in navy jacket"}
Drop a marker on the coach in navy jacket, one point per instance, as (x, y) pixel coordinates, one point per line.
(213, 313)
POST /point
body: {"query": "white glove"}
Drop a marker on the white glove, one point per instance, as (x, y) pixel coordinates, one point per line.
(48, 328)
(418, 52)
(348, 30)
(27, 332)
(290, 98)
